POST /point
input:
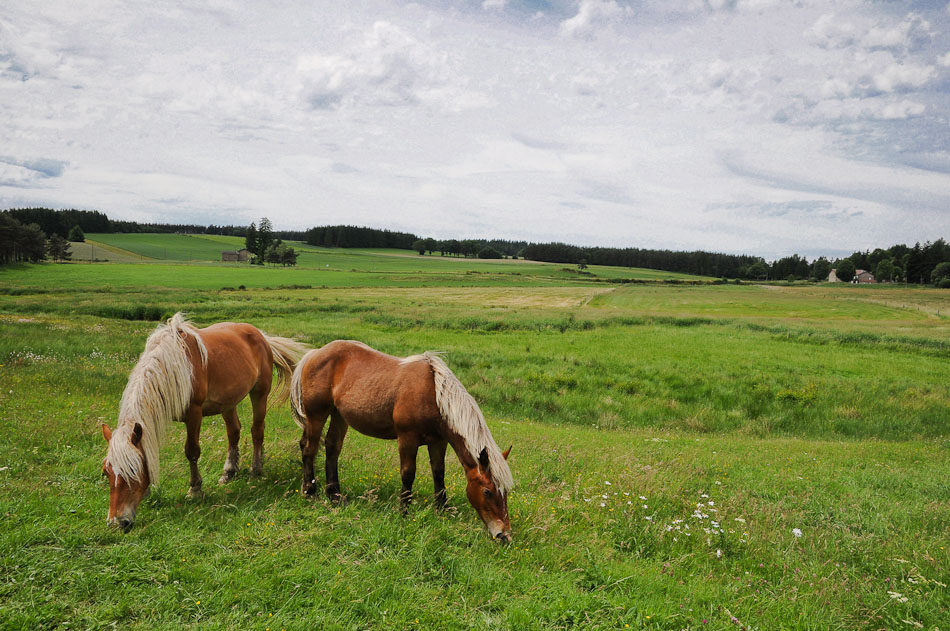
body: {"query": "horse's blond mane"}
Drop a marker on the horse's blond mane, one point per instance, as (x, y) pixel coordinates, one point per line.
(158, 392)
(464, 417)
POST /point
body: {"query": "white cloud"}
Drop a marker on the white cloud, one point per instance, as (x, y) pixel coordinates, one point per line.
(494, 4)
(913, 31)
(389, 67)
(593, 15)
(900, 76)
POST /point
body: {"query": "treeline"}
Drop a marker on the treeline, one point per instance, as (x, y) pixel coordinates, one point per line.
(900, 263)
(482, 248)
(697, 262)
(358, 237)
(52, 221)
(919, 264)
(62, 221)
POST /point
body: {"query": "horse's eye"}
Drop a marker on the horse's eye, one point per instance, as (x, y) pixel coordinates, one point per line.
(487, 492)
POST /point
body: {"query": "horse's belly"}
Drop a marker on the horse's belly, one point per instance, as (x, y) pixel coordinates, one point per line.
(372, 423)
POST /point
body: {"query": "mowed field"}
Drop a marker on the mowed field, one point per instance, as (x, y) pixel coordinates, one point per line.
(685, 457)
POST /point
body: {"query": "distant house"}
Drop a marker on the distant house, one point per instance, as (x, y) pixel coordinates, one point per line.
(833, 277)
(863, 276)
(240, 255)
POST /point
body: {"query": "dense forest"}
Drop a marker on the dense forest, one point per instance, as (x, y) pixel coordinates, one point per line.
(61, 222)
(24, 236)
(358, 237)
(898, 263)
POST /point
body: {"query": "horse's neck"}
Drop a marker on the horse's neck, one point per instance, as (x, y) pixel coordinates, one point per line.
(460, 447)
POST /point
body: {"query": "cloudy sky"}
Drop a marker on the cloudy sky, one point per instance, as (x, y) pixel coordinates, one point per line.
(759, 126)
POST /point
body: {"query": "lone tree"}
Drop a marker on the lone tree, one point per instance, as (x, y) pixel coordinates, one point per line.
(265, 236)
(76, 234)
(419, 246)
(845, 270)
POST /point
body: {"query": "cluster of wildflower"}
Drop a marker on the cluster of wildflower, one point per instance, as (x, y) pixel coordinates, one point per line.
(24, 357)
(620, 499)
(706, 520)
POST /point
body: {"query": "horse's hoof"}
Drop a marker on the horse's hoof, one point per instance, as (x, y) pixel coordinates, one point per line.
(226, 477)
(195, 494)
(308, 490)
(256, 472)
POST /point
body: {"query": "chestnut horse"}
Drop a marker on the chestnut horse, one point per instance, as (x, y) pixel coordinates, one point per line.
(185, 374)
(416, 401)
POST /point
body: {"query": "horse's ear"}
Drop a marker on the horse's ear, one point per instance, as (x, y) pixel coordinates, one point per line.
(137, 434)
(507, 451)
(483, 458)
(106, 432)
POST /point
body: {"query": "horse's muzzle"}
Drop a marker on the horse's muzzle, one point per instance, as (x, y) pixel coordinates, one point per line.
(125, 523)
(503, 537)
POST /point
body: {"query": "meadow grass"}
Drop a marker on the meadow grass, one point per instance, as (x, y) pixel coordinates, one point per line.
(669, 445)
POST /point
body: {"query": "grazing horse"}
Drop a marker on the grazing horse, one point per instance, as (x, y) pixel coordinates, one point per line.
(416, 401)
(185, 374)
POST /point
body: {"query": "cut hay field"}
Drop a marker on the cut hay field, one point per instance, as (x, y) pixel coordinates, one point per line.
(686, 457)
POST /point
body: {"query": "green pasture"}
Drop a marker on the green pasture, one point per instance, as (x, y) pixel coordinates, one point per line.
(208, 248)
(686, 457)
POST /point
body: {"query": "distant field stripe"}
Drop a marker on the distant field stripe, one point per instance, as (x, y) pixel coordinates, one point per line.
(126, 255)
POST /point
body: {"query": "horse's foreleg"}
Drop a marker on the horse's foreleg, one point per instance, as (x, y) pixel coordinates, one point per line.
(309, 443)
(259, 406)
(334, 439)
(233, 426)
(437, 462)
(192, 448)
(407, 468)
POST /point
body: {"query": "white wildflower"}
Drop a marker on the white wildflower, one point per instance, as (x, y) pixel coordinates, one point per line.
(797, 532)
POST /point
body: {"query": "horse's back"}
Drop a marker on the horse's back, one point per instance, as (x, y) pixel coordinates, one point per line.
(372, 391)
(238, 359)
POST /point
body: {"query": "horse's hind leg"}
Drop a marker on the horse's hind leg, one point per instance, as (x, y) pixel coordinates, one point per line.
(437, 461)
(233, 425)
(309, 443)
(192, 448)
(259, 406)
(334, 439)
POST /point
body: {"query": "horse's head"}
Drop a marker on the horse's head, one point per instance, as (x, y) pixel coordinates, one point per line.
(125, 492)
(490, 503)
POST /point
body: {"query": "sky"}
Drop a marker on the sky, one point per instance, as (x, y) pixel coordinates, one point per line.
(765, 127)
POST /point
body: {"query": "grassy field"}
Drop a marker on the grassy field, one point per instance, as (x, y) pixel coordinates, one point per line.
(686, 457)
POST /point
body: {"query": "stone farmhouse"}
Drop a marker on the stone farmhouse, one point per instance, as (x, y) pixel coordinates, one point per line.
(240, 255)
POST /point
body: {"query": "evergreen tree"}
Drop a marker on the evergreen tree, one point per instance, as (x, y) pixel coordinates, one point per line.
(265, 236)
(76, 234)
(250, 239)
(58, 248)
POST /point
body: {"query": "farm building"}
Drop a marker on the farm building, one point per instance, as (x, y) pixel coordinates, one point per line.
(833, 277)
(240, 255)
(863, 276)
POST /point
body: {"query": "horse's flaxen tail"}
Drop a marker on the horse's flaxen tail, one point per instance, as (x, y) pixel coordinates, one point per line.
(296, 391)
(463, 415)
(287, 353)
